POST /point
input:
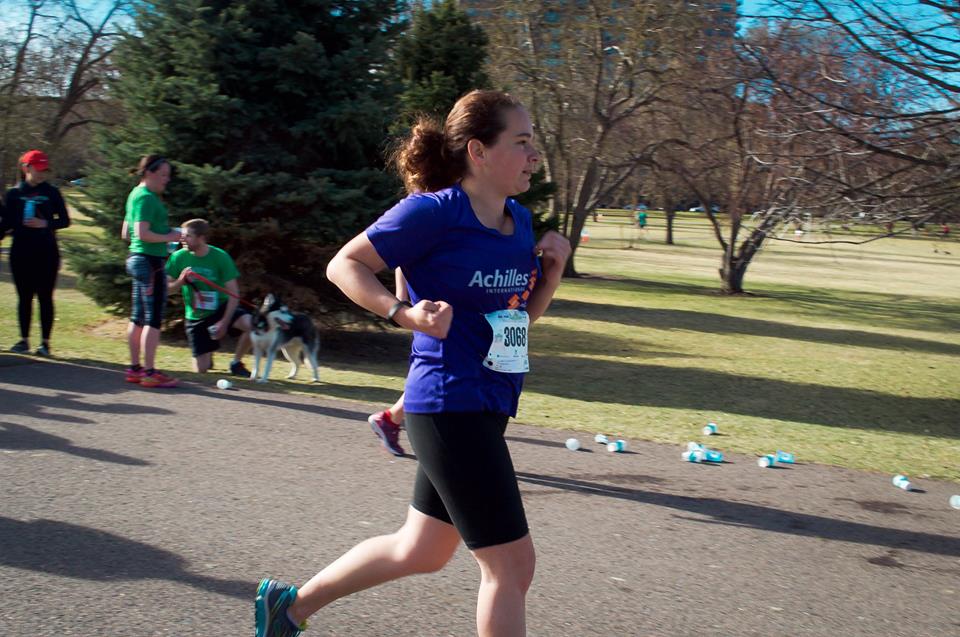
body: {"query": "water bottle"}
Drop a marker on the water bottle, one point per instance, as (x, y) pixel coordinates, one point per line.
(173, 246)
(767, 461)
(213, 331)
(600, 439)
(712, 455)
(29, 209)
(901, 482)
(784, 457)
(696, 455)
(955, 501)
(710, 429)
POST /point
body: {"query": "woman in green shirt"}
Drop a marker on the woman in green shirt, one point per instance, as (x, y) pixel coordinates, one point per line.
(147, 227)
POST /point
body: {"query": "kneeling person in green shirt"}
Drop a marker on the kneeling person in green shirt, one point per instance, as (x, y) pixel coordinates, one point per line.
(210, 313)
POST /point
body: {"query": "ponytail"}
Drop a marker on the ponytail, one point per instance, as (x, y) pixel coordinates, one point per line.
(432, 157)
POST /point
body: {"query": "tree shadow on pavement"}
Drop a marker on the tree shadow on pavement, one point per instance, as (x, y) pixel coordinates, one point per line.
(101, 377)
(52, 407)
(19, 437)
(260, 401)
(762, 518)
(70, 550)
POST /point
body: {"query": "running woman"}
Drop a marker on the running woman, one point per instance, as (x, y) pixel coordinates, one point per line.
(147, 227)
(35, 210)
(471, 262)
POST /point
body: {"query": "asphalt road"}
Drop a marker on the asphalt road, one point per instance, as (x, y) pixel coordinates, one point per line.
(126, 511)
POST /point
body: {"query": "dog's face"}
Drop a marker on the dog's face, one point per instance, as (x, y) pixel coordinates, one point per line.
(272, 314)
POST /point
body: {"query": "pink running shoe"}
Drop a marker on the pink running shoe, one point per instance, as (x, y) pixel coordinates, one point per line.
(135, 375)
(387, 431)
(157, 379)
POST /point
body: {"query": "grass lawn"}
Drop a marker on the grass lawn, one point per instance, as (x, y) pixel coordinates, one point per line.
(845, 355)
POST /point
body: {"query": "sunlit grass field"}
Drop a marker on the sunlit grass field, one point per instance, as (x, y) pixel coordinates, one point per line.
(845, 355)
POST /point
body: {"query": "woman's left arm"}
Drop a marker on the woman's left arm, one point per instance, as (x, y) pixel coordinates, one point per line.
(554, 250)
(61, 218)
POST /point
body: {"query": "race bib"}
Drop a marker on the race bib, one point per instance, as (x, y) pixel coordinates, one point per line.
(205, 300)
(508, 350)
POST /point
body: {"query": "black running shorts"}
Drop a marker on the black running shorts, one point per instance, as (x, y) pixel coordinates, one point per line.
(198, 332)
(465, 476)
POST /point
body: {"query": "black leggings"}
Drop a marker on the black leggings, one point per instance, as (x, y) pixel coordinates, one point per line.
(465, 476)
(35, 274)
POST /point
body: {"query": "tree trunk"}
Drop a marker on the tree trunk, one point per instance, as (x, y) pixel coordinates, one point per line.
(588, 183)
(731, 275)
(735, 263)
(671, 214)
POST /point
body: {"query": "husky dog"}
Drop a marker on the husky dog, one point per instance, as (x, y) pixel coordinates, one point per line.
(276, 327)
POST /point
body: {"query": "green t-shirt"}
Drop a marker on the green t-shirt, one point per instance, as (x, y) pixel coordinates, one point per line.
(143, 205)
(217, 266)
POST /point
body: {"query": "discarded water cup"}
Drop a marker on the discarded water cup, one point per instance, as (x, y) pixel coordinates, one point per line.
(616, 445)
(901, 482)
(955, 501)
(572, 444)
(693, 446)
(710, 429)
(784, 457)
(767, 461)
(712, 455)
(695, 455)
(600, 439)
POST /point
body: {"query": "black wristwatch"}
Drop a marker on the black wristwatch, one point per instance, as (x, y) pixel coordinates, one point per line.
(396, 308)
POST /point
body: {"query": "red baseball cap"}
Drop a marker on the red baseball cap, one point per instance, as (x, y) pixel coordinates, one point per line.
(36, 158)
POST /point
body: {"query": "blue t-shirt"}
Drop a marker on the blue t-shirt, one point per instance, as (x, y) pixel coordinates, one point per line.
(446, 254)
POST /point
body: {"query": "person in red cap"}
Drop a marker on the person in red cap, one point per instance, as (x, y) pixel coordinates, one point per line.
(34, 211)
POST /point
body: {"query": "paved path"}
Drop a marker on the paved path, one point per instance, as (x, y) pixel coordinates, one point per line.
(133, 512)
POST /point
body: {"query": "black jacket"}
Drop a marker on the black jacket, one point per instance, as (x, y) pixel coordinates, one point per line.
(48, 204)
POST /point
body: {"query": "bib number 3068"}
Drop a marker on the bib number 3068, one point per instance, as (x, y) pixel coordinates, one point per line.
(515, 336)
(508, 349)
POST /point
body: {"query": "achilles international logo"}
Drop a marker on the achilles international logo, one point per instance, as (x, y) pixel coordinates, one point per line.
(512, 280)
(498, 282)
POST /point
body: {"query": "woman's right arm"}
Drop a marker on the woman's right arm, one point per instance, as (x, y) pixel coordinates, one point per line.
(400, 283)
(354, 270)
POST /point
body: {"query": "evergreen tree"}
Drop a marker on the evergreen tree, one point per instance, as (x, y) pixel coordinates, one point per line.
(273, 115)
(440, 58)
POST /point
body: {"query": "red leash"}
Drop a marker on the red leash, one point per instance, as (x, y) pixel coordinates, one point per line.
(203, 279)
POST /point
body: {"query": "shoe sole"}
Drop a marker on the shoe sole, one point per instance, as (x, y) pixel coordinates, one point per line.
(383, 440)
(132, 380)
(158, 385)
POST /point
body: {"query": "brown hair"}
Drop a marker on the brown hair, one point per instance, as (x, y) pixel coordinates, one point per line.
(432, 157)
(149, 164)
(200, 227)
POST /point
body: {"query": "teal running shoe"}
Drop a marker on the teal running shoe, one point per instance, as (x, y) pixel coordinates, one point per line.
(270, 609)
